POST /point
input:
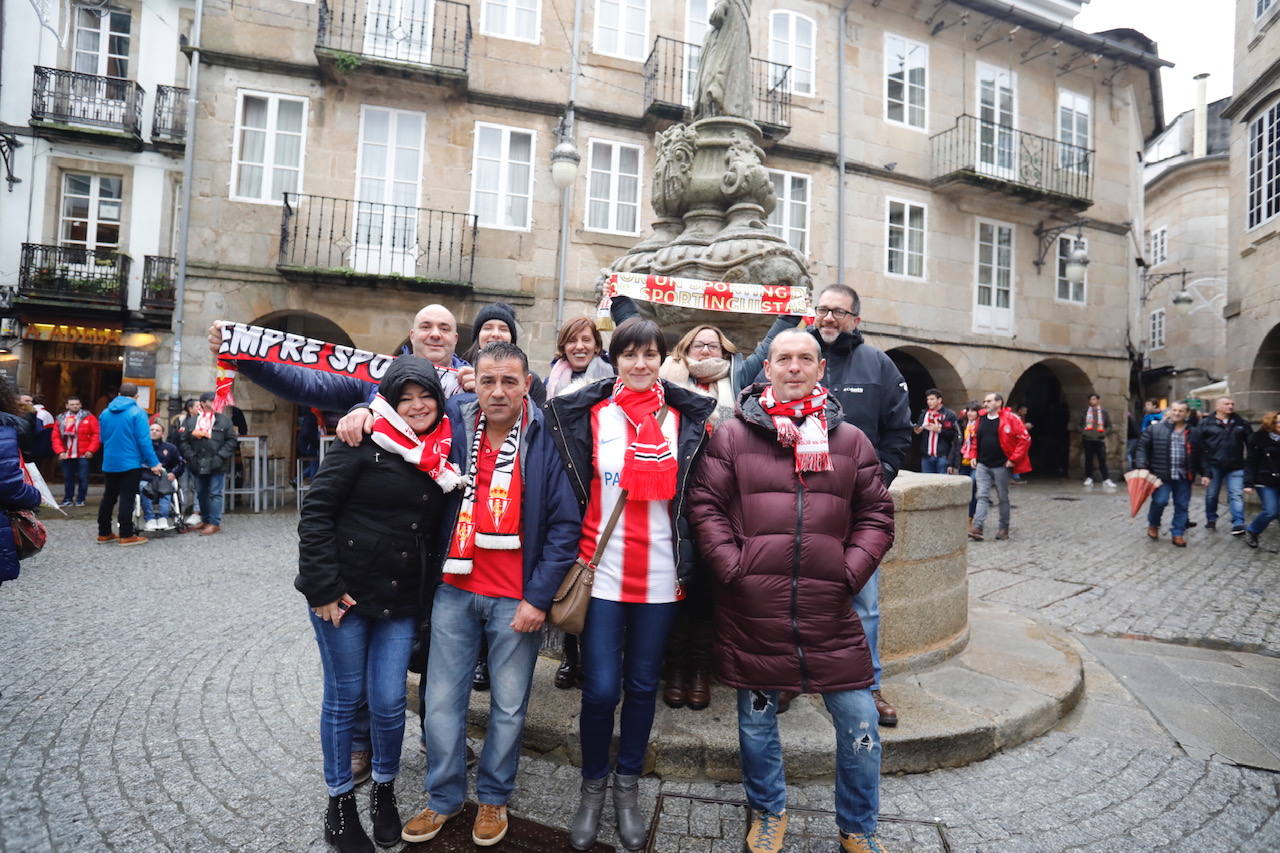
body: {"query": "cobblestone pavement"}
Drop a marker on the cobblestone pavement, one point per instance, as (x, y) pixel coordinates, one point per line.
(1077, 560)
(166, 697)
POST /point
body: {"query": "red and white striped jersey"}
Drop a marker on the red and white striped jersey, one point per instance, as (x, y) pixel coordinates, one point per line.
(638, 565)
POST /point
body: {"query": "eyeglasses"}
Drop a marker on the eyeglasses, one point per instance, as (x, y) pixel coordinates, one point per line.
(702, 345)
(838, 313)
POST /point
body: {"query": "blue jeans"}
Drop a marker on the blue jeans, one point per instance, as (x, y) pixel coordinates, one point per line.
(933, 465)
(363, 659)
(158, 509)
(209, 494)
(459, 619)
(1270, 497)
(1181, 491)
(1235, 494)
(76, 474)
(867, 605)
(1129, 446)
(972, 473)
(622, 651)
(857, 755)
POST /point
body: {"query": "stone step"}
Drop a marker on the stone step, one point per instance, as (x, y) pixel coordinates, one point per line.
(1014, 680)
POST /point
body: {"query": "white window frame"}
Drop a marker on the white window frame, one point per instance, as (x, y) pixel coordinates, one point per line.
(105, 32)
(978, 308)
(1159, 245)
(789, 59)
(784, 203)
(1073, 101)
(385, 257)
(907, 204)
(612, 201)
(1067, 243)
(510, 20)
(995, 167)
(1262, 176)
(621, 53)
(269, 150)
(695, 33)
(92, 220)
(1261, 7)
(910, 46)
(1155, 329)
(504, 191)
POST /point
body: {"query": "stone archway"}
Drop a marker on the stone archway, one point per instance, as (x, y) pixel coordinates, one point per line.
(924, 369)
(1052, 390)
(1264, 378)
(305, 323)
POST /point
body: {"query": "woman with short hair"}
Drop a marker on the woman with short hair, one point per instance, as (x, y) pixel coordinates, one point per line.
(637, 438)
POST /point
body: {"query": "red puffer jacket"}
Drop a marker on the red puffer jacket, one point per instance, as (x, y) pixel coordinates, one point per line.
(789, 555)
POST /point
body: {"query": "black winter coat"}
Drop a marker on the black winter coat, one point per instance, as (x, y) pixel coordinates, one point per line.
(1152, 452)
(370, 527)
(208, 455)
(570, 418)
(948, 439)
(1223, 444)
(1263, 468)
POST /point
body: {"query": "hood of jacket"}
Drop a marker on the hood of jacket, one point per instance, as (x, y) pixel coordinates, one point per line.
(411, 368)
(752, 412)
(122, 404)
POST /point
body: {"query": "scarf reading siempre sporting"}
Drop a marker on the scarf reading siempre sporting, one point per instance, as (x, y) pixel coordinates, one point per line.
(498, 529)
(428, 453)
(649, 468)
(810, 438)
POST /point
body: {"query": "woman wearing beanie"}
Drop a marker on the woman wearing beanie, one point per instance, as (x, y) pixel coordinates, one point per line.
(497, 322)
(629, 445)
(368, 556)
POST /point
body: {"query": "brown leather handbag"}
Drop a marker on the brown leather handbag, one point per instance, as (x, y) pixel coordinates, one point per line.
(570, 603)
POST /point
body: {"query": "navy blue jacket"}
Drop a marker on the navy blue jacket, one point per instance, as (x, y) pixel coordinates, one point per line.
(169, 457)
(315, 389)
(1223, 445)
(550, 521)
(16, 493)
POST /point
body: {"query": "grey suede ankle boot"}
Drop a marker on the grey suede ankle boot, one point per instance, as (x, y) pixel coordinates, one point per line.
(586, 822)
(626, 805)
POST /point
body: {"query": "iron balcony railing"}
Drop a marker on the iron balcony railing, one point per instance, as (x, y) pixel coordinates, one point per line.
(159, 282)
(88, 99)
(670, 78)
(169, 120)
(427, 33)
(996, 155)
(72, 274)
(328, 237)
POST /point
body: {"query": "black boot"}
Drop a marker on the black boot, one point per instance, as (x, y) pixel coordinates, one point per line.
(384, 814)
(342, 826)
(569, 673)
(480, 678)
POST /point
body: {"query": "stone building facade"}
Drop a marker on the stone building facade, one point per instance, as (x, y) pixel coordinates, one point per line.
(413, 139)
(1183, 344)
(1253, 300)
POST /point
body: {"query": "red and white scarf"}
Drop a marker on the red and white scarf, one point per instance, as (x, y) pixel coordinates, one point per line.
(649, 468)
(429, 452)
(204, 424)
(497, 526)
(69, 426)
(809, 438)
(1093, 420)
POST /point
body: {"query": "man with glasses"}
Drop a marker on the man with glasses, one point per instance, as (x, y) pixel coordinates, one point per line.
(1002, 447)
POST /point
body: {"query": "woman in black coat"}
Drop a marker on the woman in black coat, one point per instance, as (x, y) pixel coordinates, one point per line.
(368, 557)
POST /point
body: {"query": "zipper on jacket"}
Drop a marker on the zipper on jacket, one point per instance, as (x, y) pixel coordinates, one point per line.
(678, 504)
(795, 588)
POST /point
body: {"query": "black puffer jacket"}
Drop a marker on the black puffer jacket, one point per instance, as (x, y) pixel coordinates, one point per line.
(1263, 468)
(370, 525)
(1222, 444)
(570, 419)
(1153, 450)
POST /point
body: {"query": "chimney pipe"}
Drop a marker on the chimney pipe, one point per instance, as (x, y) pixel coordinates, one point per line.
(1200, 131)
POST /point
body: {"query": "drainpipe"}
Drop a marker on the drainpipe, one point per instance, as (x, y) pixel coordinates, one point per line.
(566, 135)
(1200, 125)
(188, 170)
(840, 214)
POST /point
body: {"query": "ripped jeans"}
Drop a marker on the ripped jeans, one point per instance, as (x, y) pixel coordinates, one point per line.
(857, 755)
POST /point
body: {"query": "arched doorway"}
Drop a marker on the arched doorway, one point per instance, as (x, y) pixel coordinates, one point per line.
(307, 324)
(924, 369)
(1051, 390)
(1264, 380)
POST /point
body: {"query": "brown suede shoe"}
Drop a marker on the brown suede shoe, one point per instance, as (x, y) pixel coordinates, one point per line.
(361, 765)
(490, 826)
(134, 540)
(426, 825)
(975, 534)
(888, 714)
(1180, 541)
(698, 694)
(1002, 534)
(209, 529)
(1153, 532)
(673, 691)
(784, 700)
(110, 537)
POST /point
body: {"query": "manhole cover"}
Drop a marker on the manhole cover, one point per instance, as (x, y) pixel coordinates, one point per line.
(523, 836)
(681, 816)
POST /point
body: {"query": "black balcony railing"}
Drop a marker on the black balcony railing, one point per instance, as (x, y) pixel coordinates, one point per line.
(169, 121)
(159, 282)
(87, 99)
(339, 238)
(1000, 157)
(73, 275)
(433, 34)
(670, 77)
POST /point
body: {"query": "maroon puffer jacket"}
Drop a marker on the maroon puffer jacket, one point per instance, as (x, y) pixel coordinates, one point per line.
(787, 556)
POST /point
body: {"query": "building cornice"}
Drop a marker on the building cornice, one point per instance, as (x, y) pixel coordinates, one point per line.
(254, 63)
(1251, 94)
(1208, 160)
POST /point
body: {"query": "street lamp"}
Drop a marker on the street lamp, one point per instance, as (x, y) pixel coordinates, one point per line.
(564, 164)
(1077, 260)
(1077, 263)
(1181, 299)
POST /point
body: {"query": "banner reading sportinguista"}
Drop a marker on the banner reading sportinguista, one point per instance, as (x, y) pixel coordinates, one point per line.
(735, 297)
(240, 341)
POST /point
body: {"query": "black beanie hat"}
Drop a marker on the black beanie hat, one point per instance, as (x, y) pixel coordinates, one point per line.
(497, 311)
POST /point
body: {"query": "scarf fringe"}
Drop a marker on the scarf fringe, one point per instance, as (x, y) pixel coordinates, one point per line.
(498, 541)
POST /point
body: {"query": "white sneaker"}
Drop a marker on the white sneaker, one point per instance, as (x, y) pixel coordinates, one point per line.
(193, 519)
(1109, 484)
(150, 525)
(163, 524)
(1088, 481)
